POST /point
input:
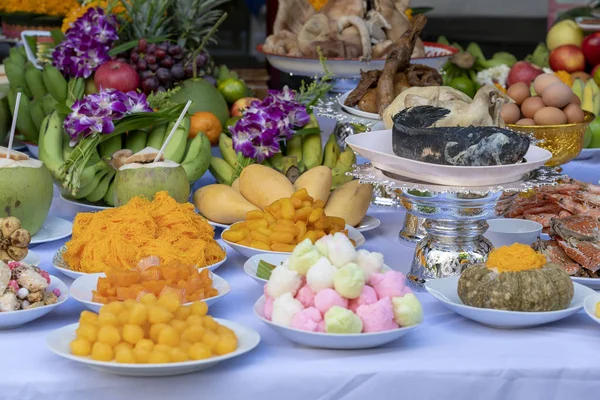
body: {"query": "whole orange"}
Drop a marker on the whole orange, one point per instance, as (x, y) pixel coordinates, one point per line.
(207, 123)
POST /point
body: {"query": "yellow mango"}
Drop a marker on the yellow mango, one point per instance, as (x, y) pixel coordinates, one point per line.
(316, 181)
(236, 185)
(262, 185)
(221, 203)
(350, 202)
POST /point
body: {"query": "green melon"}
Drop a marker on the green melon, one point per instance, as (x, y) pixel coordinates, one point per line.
(204, 96)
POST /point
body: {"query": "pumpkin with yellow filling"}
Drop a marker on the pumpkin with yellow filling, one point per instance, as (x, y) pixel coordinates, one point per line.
(516, 278)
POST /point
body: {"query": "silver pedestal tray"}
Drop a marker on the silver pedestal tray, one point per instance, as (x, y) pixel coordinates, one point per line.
(455, 217)
(413, 229)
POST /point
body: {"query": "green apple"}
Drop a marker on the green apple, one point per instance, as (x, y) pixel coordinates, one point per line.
(594, 128)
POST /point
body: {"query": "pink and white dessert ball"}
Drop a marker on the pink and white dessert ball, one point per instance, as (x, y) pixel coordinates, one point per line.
(306, 296)
(377, 317)
(389, 284)
(328, 298)
(367, 296)
(307, 320)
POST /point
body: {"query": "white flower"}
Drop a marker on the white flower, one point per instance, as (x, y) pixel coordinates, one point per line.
(493, 75)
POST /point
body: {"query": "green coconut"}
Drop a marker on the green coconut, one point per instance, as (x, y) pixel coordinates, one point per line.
(25, 189)
(204, 96)
(138, 175)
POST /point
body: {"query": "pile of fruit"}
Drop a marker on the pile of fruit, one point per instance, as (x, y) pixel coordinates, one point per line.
(259, 187)
(183, 281)
(554, 103)
(151, 331)
(330, 287)
(285, 223)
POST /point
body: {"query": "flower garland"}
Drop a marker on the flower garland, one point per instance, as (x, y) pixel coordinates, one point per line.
(86, 44)
(116, 8)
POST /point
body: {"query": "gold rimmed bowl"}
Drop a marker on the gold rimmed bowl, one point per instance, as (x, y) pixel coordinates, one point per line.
(565, 141)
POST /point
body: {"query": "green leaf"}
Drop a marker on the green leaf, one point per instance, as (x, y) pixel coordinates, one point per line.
(57, 36)
(421, 10)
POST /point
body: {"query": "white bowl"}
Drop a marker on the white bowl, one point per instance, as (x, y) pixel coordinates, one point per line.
(592, 283)
(506, 231)
(59, 343)
(61, 265)
(248, 252)
(331, 340)
(589, 304)
(445, 290)
(82, 288)
(14, 319)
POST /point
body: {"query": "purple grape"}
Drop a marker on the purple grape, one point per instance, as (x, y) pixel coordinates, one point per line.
(150, 58)
(177, 72)
(201, 59)
(134, 57)
(142, 65)
(167, 62)
(178, 56)
(161, 89)
(174, 50)
(149, 84)
(164, 46)
(146, 74)
(160, 54)
(142, 45)
(163, 75)
(153, 67)
(189, 70)
(151, 48)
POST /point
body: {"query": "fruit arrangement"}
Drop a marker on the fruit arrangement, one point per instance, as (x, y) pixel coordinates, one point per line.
(150, 276)
(23, 286)
(285, 223)
(259, 186)
(151, 331)
(554, 103)
(330, 287)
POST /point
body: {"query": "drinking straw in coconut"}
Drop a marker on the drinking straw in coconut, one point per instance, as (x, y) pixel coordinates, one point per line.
(14, 125)
(164, 146)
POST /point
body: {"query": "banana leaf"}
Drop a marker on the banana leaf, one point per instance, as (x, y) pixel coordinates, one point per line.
(421, 10)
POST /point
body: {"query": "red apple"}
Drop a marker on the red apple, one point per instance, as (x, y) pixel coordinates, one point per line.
(596, 74)
(117, 75)
(568, 58)
(523, 72)
(239, 106)
(591, 48)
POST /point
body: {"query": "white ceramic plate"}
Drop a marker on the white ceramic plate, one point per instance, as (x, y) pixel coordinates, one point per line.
(355, 110)
(85, 204)
(82, 288)
(217, 224)
(59, 340)
(589, 304)
(436, 56)
(588, 27)
(586, 154)
(54, 228)
(377, 147)
(251, 265)
(368, 223)
(14, 319)
(330, 340)
(60, 264)
(32, 259)
(592, 283)
(445, 290)
(248, 252)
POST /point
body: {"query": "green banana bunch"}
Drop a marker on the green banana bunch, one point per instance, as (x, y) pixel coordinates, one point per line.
(18, 55)
(16, 76)
(156, 137)
(312, 150)
(136, 140)
(37, 114)
(88, 188)
(100, 191)
(66, 146)
(109, 197)
(175, 149)
(332, 152)
(222, 171)
(75, 90)
(197, 157)
(50, 144)
(227, 151)
(110, 146)
(55, 83)
(35, 81)
(293, 148)
(48, 103)
(343, 165)
(24, 122)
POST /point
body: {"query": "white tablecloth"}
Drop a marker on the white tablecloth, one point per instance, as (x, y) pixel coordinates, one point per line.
(447, 357)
